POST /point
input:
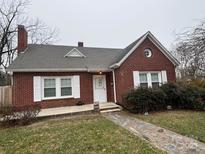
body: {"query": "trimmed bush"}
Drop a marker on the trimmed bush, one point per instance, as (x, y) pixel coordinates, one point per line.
(178, 96)
(23, 115)
(143, 100)
(199, 103)
(173, 93)
(158, 100)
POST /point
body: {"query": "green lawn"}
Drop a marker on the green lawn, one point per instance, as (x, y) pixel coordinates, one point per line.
(187, 123)
(90, 134)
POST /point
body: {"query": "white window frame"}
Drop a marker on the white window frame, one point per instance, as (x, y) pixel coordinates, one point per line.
(146, 77)
(159, 78)
(58, 87)
(44, 87)
(149, 78)
(64, 86)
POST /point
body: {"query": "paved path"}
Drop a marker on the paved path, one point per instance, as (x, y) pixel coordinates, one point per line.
(164, 139)
(75, 109)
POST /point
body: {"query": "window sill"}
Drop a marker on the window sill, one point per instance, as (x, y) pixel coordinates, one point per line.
(54, 98)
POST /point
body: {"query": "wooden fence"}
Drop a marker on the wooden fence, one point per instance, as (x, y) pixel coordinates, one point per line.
(5, 95)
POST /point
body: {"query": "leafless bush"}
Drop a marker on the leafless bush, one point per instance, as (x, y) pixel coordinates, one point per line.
(23, 115)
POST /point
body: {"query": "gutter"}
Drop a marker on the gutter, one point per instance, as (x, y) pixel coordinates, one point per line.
(47, 70)
(60, 70)
(114, 85)
(116, 65)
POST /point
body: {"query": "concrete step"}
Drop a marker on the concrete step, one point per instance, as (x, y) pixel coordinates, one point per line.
(110, 106)
(110, 110)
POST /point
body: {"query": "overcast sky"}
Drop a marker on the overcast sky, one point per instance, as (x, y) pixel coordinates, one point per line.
(116, 23)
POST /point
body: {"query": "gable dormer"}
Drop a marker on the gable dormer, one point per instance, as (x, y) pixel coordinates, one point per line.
(75, 53)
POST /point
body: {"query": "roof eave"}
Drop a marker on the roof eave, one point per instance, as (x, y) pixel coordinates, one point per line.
(60, 70)
(115, 65)
(166, 53)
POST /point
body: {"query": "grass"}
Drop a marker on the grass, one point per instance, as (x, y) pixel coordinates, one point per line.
(91, 134)
(189, 123)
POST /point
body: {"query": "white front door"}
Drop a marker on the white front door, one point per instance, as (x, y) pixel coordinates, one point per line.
(99, 88)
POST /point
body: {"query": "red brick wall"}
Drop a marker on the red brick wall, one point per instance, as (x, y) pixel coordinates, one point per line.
(138, 62)
(109, 82)
(23, 89)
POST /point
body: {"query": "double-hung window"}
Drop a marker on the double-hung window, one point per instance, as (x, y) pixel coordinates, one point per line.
(49, 87)
(149, 79)
(66, 87)
(57, 87)
(143, 80)
(155, 80)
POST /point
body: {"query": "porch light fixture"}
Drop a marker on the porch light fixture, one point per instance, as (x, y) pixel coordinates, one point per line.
(100, 72)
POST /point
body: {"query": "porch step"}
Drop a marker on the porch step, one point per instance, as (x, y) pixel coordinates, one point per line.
(109, 107)
(110, 110)
(102, 107)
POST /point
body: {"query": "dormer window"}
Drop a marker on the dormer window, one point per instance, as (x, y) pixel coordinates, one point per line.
(74, 53)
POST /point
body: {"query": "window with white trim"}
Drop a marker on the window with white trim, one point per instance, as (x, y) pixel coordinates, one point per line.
(155, 80)
(148, 52)
(66, 87)
(143, 80)
(57, 87)
(149, 79)
(49, 88)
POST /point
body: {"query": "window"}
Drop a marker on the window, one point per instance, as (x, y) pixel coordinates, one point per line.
(148, 53)
(149, 79)
(155, 80)
(57, 87)
(99, 84)
(49, 88)
(66, 88)
(143, 80)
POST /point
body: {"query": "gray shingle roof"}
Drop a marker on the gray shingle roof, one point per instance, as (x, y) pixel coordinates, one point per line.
(127, 49)
(51, 57)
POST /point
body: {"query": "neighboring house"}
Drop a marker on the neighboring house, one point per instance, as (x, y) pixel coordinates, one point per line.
(57, 75)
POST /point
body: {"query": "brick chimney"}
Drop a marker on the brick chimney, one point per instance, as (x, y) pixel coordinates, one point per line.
(80, 44)
(22, 38)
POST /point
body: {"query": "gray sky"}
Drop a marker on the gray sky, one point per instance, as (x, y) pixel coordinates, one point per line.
(116, 23)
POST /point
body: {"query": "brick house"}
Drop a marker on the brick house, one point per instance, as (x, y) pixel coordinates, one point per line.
(56, 75)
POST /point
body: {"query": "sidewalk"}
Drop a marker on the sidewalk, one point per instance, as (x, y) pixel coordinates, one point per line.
(164, 139)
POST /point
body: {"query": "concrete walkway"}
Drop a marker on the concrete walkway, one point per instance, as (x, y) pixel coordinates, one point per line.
(69, 110)
(164, 139)
(65, 110)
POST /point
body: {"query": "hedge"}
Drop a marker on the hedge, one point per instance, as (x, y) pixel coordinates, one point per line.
(178, 96)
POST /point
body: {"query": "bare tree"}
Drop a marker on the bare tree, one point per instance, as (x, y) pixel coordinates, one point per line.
(13, 12)
(190, 50)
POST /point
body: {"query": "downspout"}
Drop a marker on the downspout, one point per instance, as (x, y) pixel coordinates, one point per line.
(114, 85)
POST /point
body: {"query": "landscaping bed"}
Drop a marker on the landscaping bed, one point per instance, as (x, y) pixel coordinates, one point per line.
(89, 134)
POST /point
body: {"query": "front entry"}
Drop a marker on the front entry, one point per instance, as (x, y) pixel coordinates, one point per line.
(99, 88)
